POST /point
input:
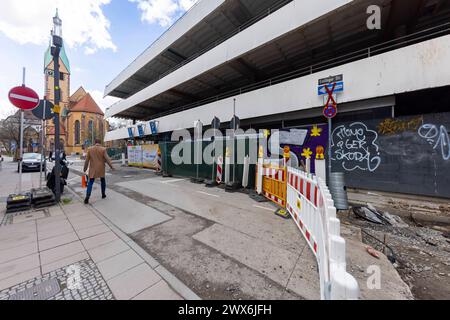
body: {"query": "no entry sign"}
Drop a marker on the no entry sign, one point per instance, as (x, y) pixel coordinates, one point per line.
(24, 98)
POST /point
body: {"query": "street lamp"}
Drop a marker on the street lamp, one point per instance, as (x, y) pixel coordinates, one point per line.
(57, 43)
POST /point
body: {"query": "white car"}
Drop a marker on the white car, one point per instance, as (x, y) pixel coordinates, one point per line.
(32, 162)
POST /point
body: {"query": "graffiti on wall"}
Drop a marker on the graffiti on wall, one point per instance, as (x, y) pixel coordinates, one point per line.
(438, 137)
(394, 126)
(355, 147)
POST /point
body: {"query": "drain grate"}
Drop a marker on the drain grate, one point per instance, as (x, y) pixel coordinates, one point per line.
(42, 291)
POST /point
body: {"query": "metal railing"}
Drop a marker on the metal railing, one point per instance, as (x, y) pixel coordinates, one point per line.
(390, 45)
(241, 28)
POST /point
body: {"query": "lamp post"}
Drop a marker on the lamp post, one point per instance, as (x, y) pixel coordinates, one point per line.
(57, 43)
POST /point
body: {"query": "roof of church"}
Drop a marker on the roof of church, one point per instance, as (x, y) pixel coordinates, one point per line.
(87, 104)
(78, 95)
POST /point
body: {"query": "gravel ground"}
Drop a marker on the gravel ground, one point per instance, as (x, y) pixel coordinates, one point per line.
(421, 253)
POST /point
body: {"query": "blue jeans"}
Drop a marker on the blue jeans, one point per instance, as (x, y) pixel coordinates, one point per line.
(91, 185)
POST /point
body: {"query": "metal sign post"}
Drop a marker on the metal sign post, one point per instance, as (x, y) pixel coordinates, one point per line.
(235, 123)
(21, 138)
(215, 125)
(44, 112)
(330, 86)
(198, 150)
(25, 99)
(21, 151)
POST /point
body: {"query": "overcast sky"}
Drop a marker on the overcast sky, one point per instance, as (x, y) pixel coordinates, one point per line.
(101, 37)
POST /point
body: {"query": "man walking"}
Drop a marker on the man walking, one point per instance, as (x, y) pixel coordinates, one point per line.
(96, 159)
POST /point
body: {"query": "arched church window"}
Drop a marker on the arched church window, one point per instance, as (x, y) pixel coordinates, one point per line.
(77, 132)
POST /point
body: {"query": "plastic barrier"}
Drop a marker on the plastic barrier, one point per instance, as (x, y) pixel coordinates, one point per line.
(159, 161)
(273, 180)
(310, 204)
(219, 170)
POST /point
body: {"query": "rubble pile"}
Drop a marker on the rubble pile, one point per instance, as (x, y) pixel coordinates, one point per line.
(420, 253)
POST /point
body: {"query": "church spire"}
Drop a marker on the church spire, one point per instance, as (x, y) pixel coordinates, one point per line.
(48, 57)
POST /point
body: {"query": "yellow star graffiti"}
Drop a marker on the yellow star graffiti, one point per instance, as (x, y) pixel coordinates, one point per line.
(307, 153)
(316, 131)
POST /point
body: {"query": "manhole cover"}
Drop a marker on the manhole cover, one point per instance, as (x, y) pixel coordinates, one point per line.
(42, 291)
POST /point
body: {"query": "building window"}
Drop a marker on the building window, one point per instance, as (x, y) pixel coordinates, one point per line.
(91, 131)
(61, 76)
(77, 132)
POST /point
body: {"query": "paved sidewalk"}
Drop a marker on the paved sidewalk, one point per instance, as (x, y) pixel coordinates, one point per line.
(45, 246)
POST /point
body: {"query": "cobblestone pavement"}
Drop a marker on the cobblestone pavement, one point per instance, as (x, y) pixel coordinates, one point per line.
(91, 285)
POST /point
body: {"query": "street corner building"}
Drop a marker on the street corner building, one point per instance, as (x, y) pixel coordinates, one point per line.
(271, 57)
(82, 120)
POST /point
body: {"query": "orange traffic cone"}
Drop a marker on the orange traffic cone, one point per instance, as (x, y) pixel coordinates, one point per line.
(83, 182)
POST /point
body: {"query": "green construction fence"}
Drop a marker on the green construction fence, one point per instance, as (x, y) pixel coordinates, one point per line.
(205, 170)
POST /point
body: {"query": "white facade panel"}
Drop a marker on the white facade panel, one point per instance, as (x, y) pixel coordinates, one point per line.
(197, 13)
(288, 18)
(420, 66)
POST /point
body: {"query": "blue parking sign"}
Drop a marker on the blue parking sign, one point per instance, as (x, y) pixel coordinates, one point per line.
(141, 131)
(153, 127)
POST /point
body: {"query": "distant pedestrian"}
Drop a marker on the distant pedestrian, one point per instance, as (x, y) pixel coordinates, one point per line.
(50, 156)
(96, 159)
(1, 161)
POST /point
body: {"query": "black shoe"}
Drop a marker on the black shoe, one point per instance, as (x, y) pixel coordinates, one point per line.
(104, 196)
(86, 201)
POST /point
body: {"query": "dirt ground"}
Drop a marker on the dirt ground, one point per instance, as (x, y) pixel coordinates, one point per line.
(420, 253)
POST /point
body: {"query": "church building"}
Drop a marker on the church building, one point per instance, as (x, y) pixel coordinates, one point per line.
(82, 120)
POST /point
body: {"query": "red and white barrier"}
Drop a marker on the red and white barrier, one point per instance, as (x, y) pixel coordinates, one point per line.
(311, 206)
(219, 170)
(159, 162)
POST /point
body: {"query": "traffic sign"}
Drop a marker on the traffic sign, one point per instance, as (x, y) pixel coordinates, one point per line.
(141, 131)
(322, 89)
(331, 79)
(56, 109)
(23, 98)
(153, 127)
(39, 113)
(330, 111)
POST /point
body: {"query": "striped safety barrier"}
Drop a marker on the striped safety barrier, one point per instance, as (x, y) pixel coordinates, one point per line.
(219, 170)
(310, 204)
(159, 161)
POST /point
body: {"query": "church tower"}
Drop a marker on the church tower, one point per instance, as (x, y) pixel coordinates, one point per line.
(64, 84)
(64, 80)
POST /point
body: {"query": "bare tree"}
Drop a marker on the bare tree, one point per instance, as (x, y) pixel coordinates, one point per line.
(10, 132)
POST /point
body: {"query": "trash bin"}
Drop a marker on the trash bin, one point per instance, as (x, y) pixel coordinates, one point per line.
(338, 190)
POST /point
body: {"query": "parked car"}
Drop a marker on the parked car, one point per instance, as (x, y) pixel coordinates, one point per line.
(32, 162)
